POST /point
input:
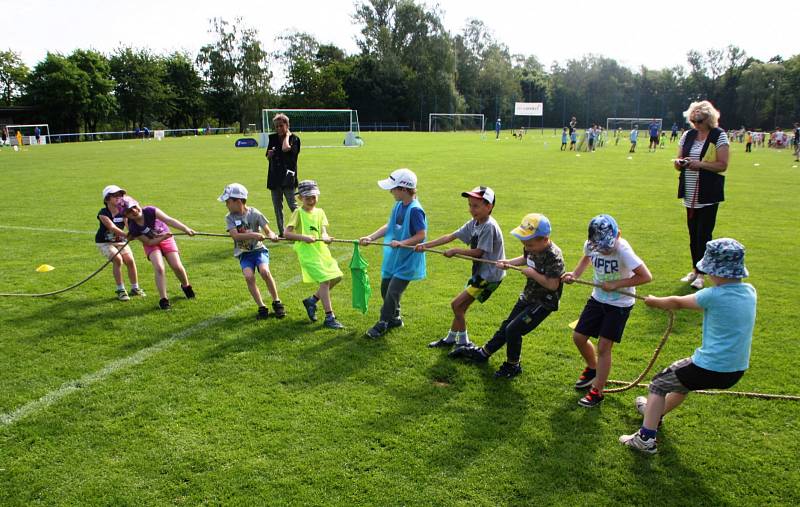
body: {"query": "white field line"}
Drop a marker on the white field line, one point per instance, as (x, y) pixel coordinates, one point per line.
(134, 359)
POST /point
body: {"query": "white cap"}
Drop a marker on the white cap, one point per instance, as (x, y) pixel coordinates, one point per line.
(112, 189)
(235, 191)
(404, 178)
(485, 193)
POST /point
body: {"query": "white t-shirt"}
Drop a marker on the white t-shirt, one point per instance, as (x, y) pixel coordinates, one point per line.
(617, 265)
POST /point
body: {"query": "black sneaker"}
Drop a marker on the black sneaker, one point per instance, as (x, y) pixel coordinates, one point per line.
(398, 322)
(586, 378)
(508, 370)
(311, 309)
(332, 323)
(378, 330)
(163, 303)
(278, 309)
(263, 313)
(188, 291)
(592, 399)
(442, 342)
(470, 352)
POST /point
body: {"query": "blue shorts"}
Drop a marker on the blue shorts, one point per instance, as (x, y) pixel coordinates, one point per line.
(253, 260)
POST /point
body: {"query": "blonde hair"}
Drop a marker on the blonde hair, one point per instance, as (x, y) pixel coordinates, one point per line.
(280, 117)
(705, 107)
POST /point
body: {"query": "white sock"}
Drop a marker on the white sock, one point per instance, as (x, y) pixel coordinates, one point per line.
(462, 338)
(134, 286)
(121, 286)
(451, 336)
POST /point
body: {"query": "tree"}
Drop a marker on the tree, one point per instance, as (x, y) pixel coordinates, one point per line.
(315, 73)
(13, 75)
(140, 85)
(185, 103)
(99, 104)
(60, 90)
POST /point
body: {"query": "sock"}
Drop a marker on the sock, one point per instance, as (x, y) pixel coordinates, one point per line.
(483, 352)
(121, 286)
(329, 315)
(451, 336)
(134, 286)
(646, 433)
(462, 338)
(313, 298)
(276, 301)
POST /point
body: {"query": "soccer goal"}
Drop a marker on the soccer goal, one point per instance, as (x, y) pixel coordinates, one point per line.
(29, 133)
(320, 128)
(455, 122)
(628, 124)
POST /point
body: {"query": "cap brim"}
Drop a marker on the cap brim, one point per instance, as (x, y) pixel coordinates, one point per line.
(472, 194)
(223, 197)
(521, 234)
(387, 184)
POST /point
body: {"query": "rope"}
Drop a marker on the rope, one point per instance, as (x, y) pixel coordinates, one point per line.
(744, 394)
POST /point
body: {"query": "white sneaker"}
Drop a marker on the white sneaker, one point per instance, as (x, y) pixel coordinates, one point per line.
(690, 276)
(636, 441)
(641, 404)
(697, 283)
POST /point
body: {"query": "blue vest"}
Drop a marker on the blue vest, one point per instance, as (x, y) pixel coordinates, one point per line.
(402, 263)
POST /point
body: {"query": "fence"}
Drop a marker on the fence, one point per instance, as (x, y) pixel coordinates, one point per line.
(132, 134)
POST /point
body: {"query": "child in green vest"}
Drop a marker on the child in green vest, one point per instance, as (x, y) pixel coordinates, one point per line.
(307, 226)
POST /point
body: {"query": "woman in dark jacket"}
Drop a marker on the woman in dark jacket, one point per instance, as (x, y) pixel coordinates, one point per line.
(283, 149)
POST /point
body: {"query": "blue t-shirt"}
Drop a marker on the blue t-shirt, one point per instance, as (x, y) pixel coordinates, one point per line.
(564, 137)
(574, 136)
(674, 128)
(653, 129)
(497, 125)
(729, 314)
(417, 218)
(634, 135)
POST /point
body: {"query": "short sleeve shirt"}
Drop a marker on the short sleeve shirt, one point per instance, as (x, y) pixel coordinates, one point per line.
(103, 235)
(417, 219)
(617, 265)
(317, 216)
(729, 316)
(550, 263)
(251, 220)
(152, 225)
(489, 238)
(691, 177)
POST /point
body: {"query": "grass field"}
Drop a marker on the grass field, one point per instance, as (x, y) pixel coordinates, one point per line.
(103, 402)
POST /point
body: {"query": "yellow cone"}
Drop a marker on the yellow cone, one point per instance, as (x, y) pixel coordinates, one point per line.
(44, 268)
(572, 324)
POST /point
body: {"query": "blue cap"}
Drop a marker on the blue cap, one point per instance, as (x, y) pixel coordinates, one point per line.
(724, 258)
(603, 231)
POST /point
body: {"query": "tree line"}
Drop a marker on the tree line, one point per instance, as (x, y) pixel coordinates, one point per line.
(407, 65)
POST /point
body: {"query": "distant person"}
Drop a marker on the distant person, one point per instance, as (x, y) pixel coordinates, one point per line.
(748, 140)
(702, 157)
(590, 136)
(653, 128)
(573, 139)
(663, 143)
(37, 134)
(617, 135)
(564, 139)
(19, 139)
(674, 134)
(283, 148)
(497, 126)
(796, 141)
(146, 133)
(208, 129)
(4, 135)
(572, 123)
(634, 138)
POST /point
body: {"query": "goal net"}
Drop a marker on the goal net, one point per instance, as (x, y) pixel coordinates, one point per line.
(455, 122)
(29, 133)
(628, 124)
(320, 128)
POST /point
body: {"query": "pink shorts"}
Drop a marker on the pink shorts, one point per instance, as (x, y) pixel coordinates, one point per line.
(165, 247)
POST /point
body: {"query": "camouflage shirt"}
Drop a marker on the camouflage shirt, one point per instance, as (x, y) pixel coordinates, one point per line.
(550, 263)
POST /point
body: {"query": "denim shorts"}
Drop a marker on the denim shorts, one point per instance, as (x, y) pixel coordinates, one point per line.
(254, 259)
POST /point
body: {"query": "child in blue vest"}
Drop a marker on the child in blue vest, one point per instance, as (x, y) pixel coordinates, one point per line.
(407, 227)
(729, 315)
(564, 139)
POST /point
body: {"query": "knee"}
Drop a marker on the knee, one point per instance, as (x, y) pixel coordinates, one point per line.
(579, 339)
(158, 269)
(250, 277)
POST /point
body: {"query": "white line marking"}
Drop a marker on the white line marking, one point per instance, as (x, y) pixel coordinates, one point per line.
(136, 358)
(43, 229)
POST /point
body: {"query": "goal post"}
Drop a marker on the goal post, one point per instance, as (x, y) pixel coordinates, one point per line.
(321, 128)
(456, 122)
(628, 124)
(29, 133)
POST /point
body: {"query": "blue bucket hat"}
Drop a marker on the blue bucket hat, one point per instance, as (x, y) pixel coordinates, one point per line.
(724, 258)
(603, 231)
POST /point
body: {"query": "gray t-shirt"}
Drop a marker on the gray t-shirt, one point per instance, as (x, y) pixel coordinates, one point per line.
(251, 221)
(489, 238)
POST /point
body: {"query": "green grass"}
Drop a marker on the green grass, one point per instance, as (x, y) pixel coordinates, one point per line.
(237, 411)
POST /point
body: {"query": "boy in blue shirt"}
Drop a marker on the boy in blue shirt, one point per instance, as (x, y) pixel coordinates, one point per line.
(564, 139)
(573, 138)
(634, 138)
(729, 315)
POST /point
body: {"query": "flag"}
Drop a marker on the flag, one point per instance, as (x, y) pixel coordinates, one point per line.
(361, 288)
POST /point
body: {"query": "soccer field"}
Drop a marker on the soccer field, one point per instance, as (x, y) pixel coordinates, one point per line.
(113, 403)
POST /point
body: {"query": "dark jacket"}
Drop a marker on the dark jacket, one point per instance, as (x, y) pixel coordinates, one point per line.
(282, 162)
(711, 185)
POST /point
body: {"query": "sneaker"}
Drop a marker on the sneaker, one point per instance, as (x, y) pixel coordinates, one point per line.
(636, 441)
(378, 330)
(263, 313)
(690, 276)
(470, 352)
(163, 303)
(278, 309)
(592, 399)
(332, 323)
(398, 322)
(441, 342)
(138, 291)
(697, 283)
(188, 291)
(311, 309)
(586, 378)
(508, 370)
(122, 295)
(641, 406)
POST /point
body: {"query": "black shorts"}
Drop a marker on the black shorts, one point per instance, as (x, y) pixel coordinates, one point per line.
(602, 320)
(654, 139)
(683, 376)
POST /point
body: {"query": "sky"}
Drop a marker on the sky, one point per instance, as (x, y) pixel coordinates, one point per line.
(657, 37)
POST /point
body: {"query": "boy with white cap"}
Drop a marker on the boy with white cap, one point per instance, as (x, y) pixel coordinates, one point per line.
(307, 226)
(544, 267)
(249, 228)
(729, 315)
(407, 227)
(110, 238)
(485, 241)
(605, 314)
